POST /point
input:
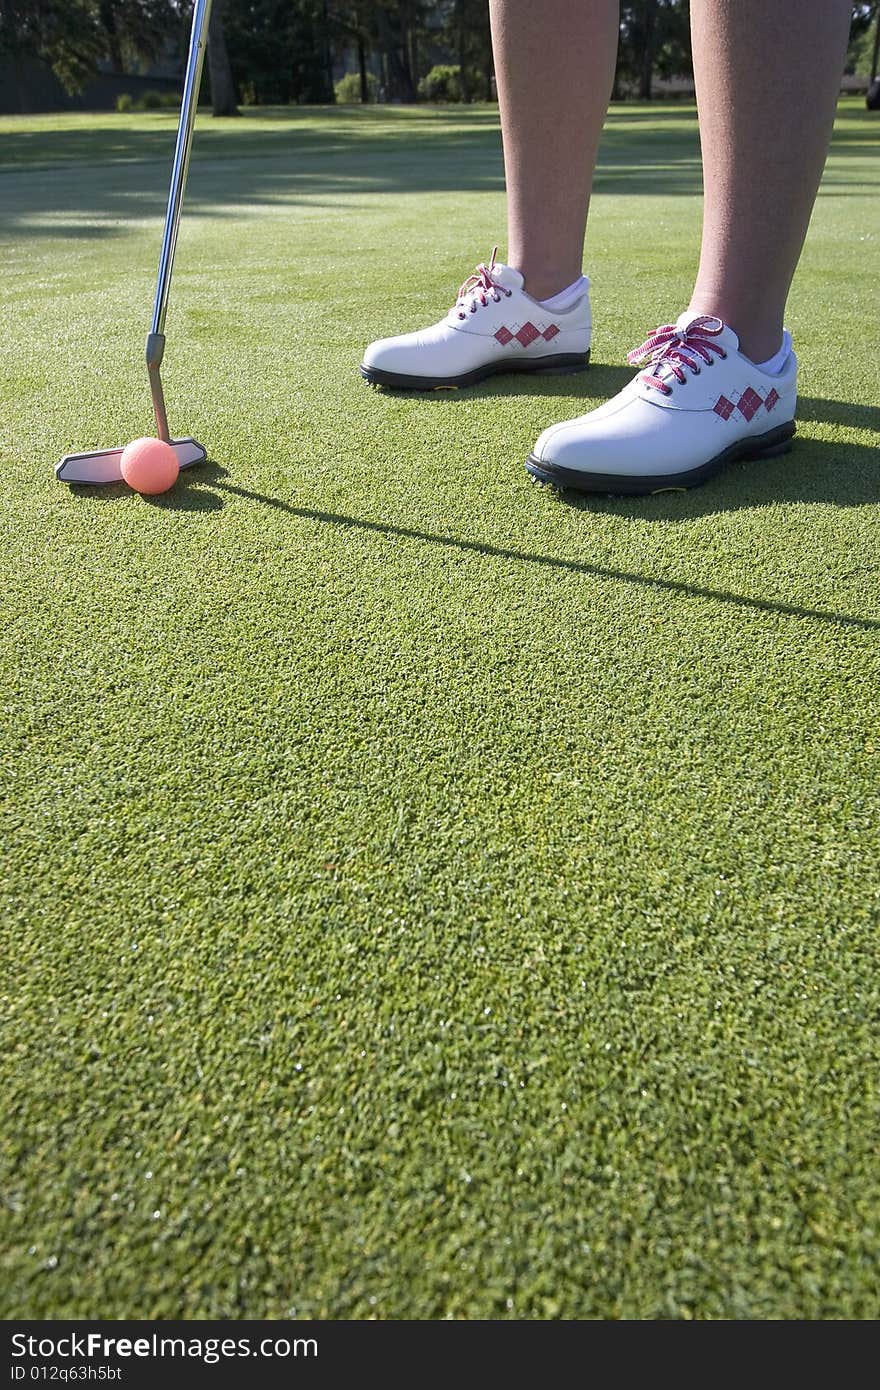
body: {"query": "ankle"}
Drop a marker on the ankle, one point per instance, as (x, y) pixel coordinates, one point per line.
(543, 282)
(759, 339)
(758, 347)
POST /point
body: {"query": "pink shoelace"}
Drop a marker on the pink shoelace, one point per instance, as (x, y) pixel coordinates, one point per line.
(477, 286)
(669, 347)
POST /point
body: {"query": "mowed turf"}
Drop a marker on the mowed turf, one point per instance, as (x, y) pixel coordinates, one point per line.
(424, 896)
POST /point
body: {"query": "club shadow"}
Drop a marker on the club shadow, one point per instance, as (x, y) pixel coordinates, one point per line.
(845, 475)
(217, 476)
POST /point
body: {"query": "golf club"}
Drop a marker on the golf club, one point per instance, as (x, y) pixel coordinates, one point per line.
(103, 465)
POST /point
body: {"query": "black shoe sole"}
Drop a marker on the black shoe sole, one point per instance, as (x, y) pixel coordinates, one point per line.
(762, 446)
(560, 365)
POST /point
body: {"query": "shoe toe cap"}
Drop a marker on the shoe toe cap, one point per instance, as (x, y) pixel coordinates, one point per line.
(566, 445)
(624, 436)
(390, 354)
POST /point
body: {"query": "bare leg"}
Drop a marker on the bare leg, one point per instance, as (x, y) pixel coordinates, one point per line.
(554, 65)
(767, 79)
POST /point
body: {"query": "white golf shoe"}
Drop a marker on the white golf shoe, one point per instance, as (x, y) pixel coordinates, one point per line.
(493, 326)
(699, 406)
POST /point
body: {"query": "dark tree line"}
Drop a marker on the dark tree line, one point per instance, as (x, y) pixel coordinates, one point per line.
(655, 41)
(404, 38)
(279, 51)
(285, 50)
(74, 36)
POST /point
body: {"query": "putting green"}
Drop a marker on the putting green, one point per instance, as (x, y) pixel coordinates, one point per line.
(422, 896)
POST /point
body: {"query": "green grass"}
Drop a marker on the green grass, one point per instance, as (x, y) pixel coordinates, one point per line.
(423, 897)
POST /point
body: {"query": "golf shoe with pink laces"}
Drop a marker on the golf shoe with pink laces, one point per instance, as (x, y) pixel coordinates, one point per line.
(493, 326)
(699, 406)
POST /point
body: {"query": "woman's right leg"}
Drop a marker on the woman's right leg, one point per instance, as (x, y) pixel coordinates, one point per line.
(554, 66)
(554, 63)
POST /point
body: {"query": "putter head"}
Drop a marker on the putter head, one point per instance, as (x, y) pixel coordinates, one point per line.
(103, 465)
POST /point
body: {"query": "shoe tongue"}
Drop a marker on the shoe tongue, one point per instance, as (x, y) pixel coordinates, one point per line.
(506, 275)
(726, 338)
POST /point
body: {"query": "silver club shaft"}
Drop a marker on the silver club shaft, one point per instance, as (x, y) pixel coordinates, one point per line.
(189, 102)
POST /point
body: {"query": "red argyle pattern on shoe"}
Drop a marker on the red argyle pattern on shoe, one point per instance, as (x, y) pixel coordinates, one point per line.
(748, 404)
(526, 335)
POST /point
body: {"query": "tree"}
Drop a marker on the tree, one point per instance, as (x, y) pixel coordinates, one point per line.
(73, 36)
(473, 45)
(352, 23)
(393, 24)
(465, 29)
(864, 45)
(223, 101)
(65, 34)
(649, 27)
(279, 49)
(655, 40)
(134, 30)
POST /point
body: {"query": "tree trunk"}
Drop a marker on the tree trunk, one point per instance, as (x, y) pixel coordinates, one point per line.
(648, 55)
(399, 77)
(108, 22)
(222, 86)
(362, 68)
(328, 54)
(876, 56)
(414, 57)
(409, 85)
(462, 53)
(20, 84)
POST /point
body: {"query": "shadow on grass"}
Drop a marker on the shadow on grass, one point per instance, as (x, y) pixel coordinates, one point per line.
(845, 474)
(101, 179)
(222, 191)
(192, 493)
(813, 472)
(812, 479)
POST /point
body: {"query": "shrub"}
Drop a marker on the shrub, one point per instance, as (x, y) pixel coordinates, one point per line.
(348, 88)
(151, 101)
(125, 102)
(442, 83)
(171, 100)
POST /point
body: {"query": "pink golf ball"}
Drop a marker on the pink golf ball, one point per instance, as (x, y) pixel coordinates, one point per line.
(149, 466)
